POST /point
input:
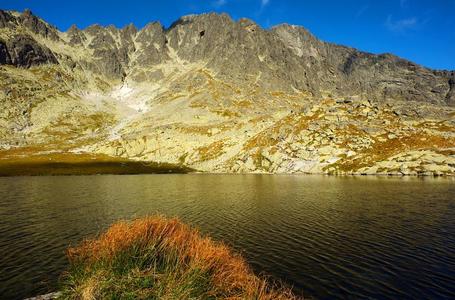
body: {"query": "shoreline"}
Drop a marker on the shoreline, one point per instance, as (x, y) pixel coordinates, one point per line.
(48, 296)
(73, 164)
(129, 167)
(87, 168)
(65, 164)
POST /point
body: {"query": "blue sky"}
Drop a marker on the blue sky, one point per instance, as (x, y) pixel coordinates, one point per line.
(422, 31)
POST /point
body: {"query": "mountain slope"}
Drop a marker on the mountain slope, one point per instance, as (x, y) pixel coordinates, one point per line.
(217, 95)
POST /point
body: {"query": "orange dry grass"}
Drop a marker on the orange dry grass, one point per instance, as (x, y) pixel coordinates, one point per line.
(211, 151)
(230, 275)
(439, 126)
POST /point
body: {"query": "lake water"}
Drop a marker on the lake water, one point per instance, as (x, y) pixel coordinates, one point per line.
(328, 237)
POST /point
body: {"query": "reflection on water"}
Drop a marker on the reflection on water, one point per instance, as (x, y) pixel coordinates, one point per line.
(329, 237)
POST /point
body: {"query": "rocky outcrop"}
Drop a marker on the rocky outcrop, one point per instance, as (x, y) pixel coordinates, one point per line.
(48, 296)
(76, 37)
(24, 51)
(38, 26)
(5, 58)
(5, 19)
(152, 40)
(111, 48)
(450, 94)
(349, 71)
(285, 58)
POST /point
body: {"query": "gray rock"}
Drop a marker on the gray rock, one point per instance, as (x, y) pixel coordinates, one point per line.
(153, 43)
(6, 19)
(287, 57)
(38, 26)
(24, 51)
(5, 58)
(49, 296)
(76, 36)
(450, 94)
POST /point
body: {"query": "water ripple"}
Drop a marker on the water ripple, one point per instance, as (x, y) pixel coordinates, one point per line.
(328, 237)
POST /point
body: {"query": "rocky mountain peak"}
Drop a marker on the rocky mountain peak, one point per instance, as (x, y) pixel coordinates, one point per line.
(286, 57)
(202, 19)
(221, 95)
(248, 24)
(73, 28)
(38, 26)
(130, 29)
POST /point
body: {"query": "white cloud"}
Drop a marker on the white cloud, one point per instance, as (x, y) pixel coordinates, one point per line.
(400, 26)
(264, 2)
(362, 10)
(219, 3)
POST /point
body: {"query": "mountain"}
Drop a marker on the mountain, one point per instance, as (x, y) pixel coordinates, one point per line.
(218, 95)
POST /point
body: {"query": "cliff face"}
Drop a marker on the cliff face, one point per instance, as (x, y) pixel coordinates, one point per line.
(289, 57)
(222, 96)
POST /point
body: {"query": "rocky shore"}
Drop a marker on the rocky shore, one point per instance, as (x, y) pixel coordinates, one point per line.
(49, 296)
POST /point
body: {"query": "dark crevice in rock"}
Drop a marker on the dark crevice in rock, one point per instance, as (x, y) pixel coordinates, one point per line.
(450, 96)
(349, 64)
(5, 58)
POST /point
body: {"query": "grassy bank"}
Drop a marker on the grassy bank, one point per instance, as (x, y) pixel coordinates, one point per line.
(159, 258)
(79, 164)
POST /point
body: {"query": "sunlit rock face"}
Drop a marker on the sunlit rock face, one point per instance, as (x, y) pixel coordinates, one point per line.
(220, 95)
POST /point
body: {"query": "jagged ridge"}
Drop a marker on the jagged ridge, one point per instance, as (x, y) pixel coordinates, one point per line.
(289, 55)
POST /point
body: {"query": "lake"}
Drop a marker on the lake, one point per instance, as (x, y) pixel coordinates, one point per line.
(328, 237)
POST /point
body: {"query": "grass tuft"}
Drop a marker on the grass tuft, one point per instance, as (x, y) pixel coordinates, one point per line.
(159, 258)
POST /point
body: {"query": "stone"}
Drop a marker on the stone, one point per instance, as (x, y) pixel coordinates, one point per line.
(37, 25)
(5, 58)
(48, 296)
(391, 136)
(24, 51)
(6, 19)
